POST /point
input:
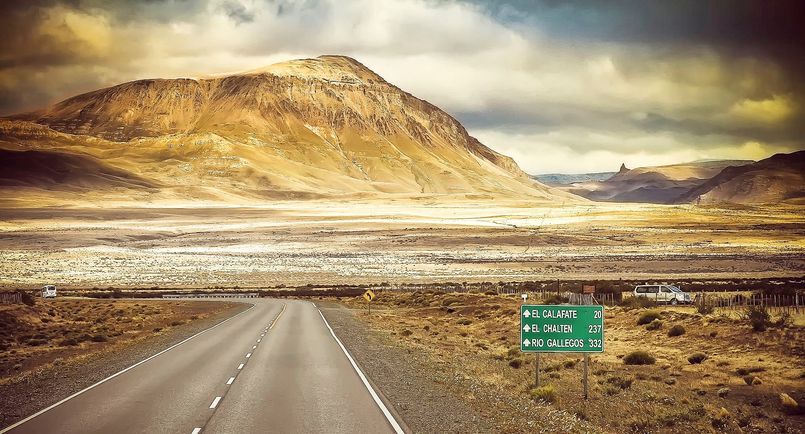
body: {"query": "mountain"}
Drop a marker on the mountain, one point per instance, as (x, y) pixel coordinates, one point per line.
(562, 179)
(778, 178)
(54, 170)
(323, 127)
(653, 184)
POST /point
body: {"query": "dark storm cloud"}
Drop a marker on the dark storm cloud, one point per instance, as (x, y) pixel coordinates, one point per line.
(766, 29)
(664, 79)
(237, 12)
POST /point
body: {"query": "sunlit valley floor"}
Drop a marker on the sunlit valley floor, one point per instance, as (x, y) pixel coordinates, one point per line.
(312, 242)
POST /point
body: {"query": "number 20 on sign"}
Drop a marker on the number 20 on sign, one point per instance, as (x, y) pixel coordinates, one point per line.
(562, 328)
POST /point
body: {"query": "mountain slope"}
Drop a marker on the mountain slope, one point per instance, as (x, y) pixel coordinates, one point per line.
(778, 178)
(652, 184)
(58, 171)
(306, 128)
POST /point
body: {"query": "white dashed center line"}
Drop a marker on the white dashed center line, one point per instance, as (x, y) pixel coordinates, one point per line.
(215, 402)
(240, 367)
(196, 431)
(248, 355)
(254, 347)
(231, 379)
(258, 341)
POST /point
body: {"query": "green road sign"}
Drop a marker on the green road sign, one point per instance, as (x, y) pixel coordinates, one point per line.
(560, 329)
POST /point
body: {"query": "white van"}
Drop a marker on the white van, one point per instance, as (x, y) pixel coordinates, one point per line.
(669, 294)
(49, 291)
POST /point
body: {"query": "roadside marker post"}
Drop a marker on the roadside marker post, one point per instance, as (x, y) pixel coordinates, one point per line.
(562, 329)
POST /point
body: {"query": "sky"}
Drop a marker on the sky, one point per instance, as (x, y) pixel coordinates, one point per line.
(560, 86)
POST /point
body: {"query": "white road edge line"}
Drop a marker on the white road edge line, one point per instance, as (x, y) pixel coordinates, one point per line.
(215, 402)
(378, 401)
(9, 428)
(231, 379)
(196, 431)
(240, 367)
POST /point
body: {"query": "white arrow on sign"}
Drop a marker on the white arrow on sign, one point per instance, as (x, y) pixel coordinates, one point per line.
(526, 314)
(525, 342)
(526, 328)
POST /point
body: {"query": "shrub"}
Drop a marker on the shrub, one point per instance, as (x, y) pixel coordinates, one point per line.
(406, 332)
(759, 317)
(515, 363)
(697, 358)
(785, 321)
(545, 393)
(637, 302)
(654, 325)
(621, 382)
(27, 298)
(450, 300)
(639, 358)
(176, 323)
(676, 330)
(556, 299)
(647, 317)
(721, 418)
(704, 308)
(99, 338)
(157, 329)
(789, 404)
(69, 342)
(465, 321)
(746, 371)
(570, 363)
(752, 380)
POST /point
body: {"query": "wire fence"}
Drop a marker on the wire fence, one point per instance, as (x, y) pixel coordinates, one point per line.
(780, 303)
(10, 297)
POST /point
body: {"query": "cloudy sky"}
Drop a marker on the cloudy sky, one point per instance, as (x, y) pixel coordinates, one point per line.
(560, 86)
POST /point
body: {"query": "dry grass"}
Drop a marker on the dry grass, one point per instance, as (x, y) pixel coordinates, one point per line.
(60, 329)
(672, 395)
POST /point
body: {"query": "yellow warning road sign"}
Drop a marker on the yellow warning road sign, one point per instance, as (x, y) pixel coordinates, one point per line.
(369, 295)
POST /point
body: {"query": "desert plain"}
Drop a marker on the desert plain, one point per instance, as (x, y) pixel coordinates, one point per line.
(347, 242)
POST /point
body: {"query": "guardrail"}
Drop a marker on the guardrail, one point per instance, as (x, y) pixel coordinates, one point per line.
(220, 295)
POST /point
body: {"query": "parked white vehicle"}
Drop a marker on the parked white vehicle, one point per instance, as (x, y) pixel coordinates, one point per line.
(669, 294)
(49, 291)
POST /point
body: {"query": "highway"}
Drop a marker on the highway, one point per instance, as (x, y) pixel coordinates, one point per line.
(274, 368)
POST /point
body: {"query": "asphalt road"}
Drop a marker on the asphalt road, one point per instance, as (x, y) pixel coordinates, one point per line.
(274, 368)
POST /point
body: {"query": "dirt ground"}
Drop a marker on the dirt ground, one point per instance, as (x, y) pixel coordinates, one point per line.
(297, 243)
(736, 388)
(62, 331)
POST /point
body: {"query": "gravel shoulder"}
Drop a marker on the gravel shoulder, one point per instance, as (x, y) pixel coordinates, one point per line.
(437, 396)
(40, 388)
(420, 395)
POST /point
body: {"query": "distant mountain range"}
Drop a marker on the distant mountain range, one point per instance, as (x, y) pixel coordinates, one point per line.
(778, 178)
(562, 179)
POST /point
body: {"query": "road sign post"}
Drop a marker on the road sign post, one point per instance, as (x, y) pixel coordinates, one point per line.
(562, 329)
(369, 295)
